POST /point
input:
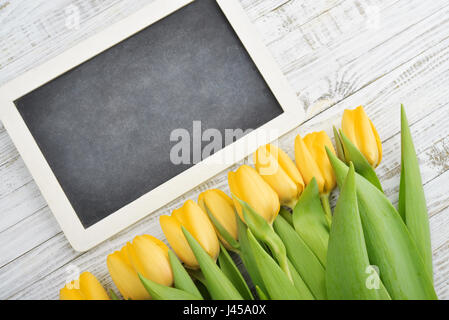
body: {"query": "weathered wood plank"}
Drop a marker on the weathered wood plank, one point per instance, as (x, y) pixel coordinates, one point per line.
(290, 13)
(335, 66)
(441, 270)
(22, 203)
(45, 33)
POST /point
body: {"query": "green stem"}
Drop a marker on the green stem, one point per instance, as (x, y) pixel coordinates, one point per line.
(113, 295)
(283, 263)
(198, 275)
(327, 208)
(281, 256)
(286, 215)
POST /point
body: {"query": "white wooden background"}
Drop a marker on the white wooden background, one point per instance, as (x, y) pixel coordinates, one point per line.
(335, 53)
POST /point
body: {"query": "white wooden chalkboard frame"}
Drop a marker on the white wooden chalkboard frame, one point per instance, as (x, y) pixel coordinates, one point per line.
(81, 238)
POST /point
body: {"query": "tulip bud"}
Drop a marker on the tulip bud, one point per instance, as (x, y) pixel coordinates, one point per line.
(192, 217)
(279, 171)
(249, 186)
(149, 257)
(312, 161)
(123, 274)
(87, 287)
(221, 206)
(360, 130)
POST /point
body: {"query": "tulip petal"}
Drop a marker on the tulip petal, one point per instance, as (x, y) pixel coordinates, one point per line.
(91, 287)
(359, 129)
(227, 239)
(306, 163)
(367, 140)
(316, 143)
(201, 228)
(255, 191)
(378, 142)
(172, 231)
(124, 276)
(348, 126)
(220, 209)
(142, 251)
(158, 242)
(71, 293)
(288, 166)
(279, 171)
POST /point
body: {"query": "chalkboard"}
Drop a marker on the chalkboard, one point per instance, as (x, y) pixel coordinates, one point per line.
(104, 127)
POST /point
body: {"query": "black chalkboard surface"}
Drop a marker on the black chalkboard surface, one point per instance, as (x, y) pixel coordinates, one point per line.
(104, 127)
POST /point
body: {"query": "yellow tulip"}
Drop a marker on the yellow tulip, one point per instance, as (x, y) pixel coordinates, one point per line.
(149, 257)
(191, 217)
(312, 161)
(87, 287)
(248, 185)
(279, 171)
(221, 207)
(360, 130)
(124, 276)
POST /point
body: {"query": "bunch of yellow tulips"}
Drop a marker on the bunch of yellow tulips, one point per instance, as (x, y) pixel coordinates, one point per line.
(279, 221)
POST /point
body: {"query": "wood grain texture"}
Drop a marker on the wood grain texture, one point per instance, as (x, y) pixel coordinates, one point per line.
(336, 54)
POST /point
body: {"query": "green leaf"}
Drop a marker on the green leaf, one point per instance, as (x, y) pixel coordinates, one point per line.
(326, 208)
(388, 241)
(161, 292)
(113, 295)
(361, 165)
(229, 268)
(181, 277)
(277, 284)
(218, 285)
(299, 283)
(262, 295)
(222, 231)
(338, 143)
(347, 257)
(287, 215)
(247, 256)
(310, 221)
(412, 202)
(264, 232)
(302, 258)
(401, 203)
